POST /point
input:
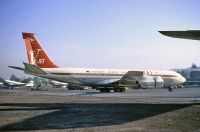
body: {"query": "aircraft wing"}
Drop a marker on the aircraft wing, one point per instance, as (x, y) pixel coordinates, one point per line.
(128, 79)
(130, 74)
(107, 82)
(188, 34)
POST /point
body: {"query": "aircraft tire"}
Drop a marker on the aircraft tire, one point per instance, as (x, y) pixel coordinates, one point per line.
(107, 90)
(116, 90)
(122, 90)
(102, 90)
(119, 90)
(170, 89)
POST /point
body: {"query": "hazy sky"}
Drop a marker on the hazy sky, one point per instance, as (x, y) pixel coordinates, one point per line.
(100, 33)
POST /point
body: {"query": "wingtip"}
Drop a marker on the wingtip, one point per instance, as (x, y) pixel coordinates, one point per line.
(163, 32)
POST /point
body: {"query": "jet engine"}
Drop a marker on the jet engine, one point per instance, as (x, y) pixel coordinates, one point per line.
(150, 82)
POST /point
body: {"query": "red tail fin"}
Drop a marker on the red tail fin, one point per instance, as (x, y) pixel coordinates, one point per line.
(36, 54)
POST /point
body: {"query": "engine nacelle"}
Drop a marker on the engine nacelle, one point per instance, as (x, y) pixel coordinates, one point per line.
(150, 82)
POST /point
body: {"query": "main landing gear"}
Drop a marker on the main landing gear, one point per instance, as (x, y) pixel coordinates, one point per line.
(116, 89)
(121, 90)
(170, 89)
(104, 90)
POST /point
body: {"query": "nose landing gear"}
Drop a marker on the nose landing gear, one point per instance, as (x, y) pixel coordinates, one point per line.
(170, 89)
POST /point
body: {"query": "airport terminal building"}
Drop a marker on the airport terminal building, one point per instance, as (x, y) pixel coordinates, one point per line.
(192, 75)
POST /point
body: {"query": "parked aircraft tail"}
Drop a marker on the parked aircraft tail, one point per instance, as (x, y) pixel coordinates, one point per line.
(35, 53)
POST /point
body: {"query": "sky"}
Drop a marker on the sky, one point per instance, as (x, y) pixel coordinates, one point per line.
(121, 34)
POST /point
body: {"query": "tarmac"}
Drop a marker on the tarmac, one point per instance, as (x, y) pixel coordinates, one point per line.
(138, 110)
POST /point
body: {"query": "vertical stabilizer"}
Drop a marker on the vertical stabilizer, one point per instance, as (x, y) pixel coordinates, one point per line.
(36, 55)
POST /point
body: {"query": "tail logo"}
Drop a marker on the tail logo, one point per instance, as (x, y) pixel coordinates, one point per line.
(34, 56)
(40, 61)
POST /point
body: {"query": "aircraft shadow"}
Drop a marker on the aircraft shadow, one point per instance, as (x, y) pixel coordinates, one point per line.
(80, 115)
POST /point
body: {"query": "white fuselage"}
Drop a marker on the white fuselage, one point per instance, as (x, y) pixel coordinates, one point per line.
(100, 77)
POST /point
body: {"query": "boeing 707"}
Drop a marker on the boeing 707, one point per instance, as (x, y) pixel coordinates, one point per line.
(39, 64)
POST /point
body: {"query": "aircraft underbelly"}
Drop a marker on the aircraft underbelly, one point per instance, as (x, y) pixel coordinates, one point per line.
(82, 80)
(169, 82)
(95, 81)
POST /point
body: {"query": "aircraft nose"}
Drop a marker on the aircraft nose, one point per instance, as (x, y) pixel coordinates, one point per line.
(183, 79)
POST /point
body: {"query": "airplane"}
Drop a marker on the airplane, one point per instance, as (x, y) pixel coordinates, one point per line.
(11, 84)
(103, 80)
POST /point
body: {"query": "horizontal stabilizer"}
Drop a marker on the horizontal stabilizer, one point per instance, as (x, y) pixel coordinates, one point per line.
(189, 34)
(18, 68)
(33, 69)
